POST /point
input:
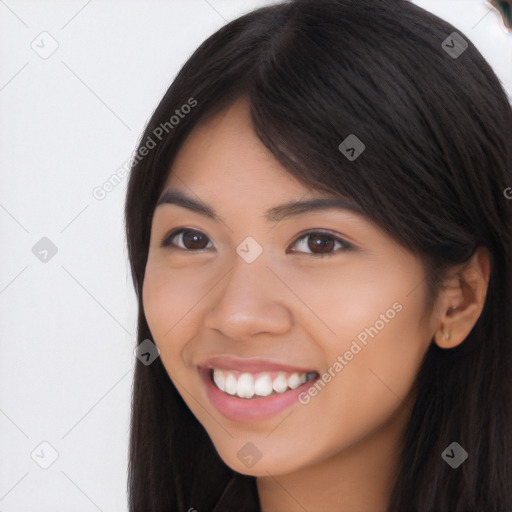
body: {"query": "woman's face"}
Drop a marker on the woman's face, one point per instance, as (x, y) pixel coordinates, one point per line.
(253, 298)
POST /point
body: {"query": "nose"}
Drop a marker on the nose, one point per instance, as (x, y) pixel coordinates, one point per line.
(249, 300)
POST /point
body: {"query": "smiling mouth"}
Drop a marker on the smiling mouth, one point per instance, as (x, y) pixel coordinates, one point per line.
(260, 384)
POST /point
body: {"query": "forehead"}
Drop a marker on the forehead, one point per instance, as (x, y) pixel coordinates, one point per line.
(224, 153)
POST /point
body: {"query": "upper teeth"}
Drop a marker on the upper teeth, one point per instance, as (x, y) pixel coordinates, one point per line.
(246, 385)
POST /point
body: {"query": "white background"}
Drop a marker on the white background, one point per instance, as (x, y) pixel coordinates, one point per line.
(67, 326)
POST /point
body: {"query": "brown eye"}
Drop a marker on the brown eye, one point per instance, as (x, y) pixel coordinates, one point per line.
(315, 243)
(321, 244)
(188, 239)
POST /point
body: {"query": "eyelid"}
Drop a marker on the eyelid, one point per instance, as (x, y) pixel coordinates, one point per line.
(311, 231)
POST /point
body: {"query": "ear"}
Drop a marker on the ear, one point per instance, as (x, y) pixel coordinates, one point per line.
(461, 301)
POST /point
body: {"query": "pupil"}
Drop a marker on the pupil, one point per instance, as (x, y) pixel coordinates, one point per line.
(191, 236)
(321, 241)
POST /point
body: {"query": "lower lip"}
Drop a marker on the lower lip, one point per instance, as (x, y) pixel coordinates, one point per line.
(254, 409)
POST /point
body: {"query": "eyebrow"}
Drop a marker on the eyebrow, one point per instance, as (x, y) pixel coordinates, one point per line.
(275, 214)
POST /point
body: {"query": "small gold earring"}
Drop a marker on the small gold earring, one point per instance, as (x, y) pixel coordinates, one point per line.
(447, 335)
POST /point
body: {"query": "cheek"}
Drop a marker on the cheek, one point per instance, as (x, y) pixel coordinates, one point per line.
(372, 339)
(376, 383)
(169, 300)
(380, 358)
(365, 398)
(345, 302)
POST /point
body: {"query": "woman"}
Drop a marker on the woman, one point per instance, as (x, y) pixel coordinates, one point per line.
(350, 351)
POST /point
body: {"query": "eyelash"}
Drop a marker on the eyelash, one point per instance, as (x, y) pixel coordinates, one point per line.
(345, 246)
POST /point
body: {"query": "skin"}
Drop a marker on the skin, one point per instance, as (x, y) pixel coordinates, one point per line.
(340, 451)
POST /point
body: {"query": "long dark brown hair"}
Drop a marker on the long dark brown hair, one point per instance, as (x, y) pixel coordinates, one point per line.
(438, 158)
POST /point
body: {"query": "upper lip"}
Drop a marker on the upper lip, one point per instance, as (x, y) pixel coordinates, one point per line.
(252, 365)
